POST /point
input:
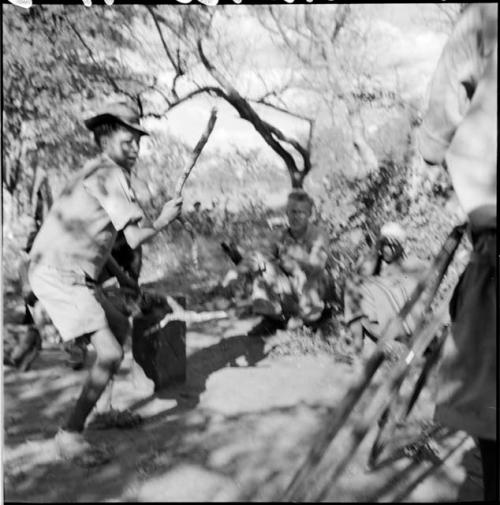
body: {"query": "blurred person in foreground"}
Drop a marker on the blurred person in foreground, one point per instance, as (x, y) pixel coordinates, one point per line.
(459, 131)
(380, 286)
(292, 284)
(73, 247)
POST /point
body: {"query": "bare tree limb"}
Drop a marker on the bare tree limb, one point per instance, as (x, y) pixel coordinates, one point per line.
(282, 109)
(110, 79)
(341, 15)
(176, 64)
(267, 131)
(210, 90)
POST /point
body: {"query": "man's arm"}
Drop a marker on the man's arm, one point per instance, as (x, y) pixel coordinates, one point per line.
(123, 278)
(451, 88)
(136, 235)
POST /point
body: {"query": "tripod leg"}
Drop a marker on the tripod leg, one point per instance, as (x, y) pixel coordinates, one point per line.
(389, 418)
(430, 362)
(379, 443)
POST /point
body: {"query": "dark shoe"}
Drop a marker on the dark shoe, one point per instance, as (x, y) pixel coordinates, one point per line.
(266, 327)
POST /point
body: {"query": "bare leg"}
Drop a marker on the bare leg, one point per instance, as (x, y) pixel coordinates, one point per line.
(109, 356)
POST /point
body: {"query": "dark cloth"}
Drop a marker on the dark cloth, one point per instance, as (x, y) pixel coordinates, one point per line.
(489, 459)
(466, 388)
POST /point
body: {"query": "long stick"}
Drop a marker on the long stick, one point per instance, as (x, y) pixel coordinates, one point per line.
(187, 316)
(196, 152)
(392, 416)
(185, 174)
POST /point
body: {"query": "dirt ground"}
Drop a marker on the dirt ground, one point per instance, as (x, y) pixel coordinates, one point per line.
(235, 431)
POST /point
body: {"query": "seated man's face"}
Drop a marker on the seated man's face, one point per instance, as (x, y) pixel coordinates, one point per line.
(298, 214)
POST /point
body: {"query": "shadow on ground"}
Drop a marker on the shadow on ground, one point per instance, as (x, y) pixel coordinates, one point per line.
(236, 430)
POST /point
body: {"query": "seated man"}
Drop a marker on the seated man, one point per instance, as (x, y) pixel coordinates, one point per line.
(292, 283)
(382, 284)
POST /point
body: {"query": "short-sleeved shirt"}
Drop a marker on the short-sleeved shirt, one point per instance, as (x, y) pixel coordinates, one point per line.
(311, 247)
(81, 227)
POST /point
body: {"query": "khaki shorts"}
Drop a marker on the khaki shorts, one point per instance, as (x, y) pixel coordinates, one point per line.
(76, 306)
(466, 388)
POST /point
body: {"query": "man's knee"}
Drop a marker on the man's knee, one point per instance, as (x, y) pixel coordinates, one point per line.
(111, 358)
(108, 349)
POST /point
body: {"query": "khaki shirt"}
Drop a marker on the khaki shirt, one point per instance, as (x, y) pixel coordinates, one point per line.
(311, 249)
(81, 227)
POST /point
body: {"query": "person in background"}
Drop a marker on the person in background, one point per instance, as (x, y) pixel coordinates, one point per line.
(292, 283)
(380, 286)
(459, 131)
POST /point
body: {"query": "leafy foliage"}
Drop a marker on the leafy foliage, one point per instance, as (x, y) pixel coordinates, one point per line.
(56, 60)
(59, 59)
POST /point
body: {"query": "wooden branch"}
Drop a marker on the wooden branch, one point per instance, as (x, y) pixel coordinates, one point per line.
(247, 112)
(340, 21)
(294, 143)
(169, 25)
(179, 71)
(273, 92)
(187, 316)
(196, 152)
(211, 90)
(205, 89)
(92, 57)
(162, 38)
(282, 109)
(311, 131)
(285, 38)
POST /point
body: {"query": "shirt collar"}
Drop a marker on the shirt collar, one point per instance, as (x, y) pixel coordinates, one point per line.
(107, 159)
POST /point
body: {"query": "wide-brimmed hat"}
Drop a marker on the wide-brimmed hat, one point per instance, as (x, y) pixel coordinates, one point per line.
(124, 111)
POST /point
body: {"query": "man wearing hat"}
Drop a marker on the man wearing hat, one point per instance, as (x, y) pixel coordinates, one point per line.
(381, 285)
(74, 245)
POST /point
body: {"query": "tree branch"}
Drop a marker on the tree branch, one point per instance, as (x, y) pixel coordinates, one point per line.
(110, 79)
(282, 109)
(341, 15)
(267, 131)
(211, 90)
(179, 71)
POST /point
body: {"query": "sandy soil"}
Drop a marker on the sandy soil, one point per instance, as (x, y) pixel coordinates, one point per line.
(236, 430)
